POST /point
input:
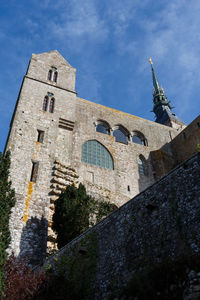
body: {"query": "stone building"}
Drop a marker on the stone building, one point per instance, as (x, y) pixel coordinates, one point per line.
(57, 138)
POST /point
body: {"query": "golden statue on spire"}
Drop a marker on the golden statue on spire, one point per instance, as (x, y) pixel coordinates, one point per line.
(150, 61)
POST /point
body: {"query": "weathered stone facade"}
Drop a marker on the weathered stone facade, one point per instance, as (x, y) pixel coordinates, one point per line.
(58, 156)
(161, 222)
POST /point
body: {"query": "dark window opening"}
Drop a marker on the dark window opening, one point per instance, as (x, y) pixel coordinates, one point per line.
(50, 75)
(34, 171)
(128, 187)
(198, 124)
(55, 76)
(141, 167)
(101, 128)
(120, 136)
(51, 106)
(184, 135)
(45, 103)
(137, 139)
(40, 136)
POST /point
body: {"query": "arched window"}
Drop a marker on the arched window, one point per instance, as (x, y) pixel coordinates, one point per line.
(55, 76)
(121, 135)
(103, 127)
(51, 105)
(45, 103)
(138, 138)
(142, 165)
(50, 75)
(96, 154)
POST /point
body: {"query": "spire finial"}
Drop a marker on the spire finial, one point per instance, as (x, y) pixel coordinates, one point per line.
(150, 61)
(155, 81)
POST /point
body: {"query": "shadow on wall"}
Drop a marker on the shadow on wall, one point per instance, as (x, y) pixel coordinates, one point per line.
(145, 171)
(34, 240)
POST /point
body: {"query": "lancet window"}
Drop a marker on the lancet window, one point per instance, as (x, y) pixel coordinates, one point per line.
(142, 165)
(53, 74)
(45, 103)
(49, 100)
(51, 105)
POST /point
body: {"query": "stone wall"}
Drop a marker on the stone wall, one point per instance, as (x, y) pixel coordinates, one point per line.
(185, 143)
(161, 222)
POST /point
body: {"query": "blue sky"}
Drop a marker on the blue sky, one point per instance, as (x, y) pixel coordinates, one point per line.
(109, 43)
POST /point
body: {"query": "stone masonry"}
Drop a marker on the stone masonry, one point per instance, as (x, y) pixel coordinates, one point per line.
(58, 156)
(161, 222)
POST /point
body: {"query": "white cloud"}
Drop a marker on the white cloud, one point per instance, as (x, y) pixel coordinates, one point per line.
(80, 20)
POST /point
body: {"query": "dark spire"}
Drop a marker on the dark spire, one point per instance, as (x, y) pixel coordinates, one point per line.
(162, 107)
(155, 81)
(159, 97)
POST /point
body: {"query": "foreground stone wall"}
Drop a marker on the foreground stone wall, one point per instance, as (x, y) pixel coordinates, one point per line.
(162, 221)
(185, 143)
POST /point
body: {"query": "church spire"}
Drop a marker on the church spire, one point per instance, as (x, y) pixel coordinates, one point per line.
(155, 81)
(159, 97)
(162, 107)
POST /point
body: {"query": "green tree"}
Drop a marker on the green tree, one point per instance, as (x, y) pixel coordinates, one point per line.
(74, 213)
(7, 201)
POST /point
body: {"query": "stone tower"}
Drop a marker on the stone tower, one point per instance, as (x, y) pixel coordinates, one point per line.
(57, 138)
(32, 141)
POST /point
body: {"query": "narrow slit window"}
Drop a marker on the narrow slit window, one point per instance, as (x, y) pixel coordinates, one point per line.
(40, 138)
(51, 106)
(45, 103)
(34, 171)
(141, 167)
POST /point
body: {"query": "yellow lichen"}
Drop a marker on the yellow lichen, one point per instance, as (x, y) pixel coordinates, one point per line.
(37, 148)
(111, 109)
(27, 203)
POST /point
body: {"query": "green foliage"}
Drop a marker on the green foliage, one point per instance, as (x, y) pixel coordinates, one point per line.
(73, 275)
(198, 147)
(7, 201)
(74, 213)
(104, 209)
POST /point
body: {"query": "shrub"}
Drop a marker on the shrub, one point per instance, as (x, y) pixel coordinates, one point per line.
(21, 282)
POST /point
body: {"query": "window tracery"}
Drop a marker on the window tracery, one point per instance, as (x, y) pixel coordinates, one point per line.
(95, 153)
